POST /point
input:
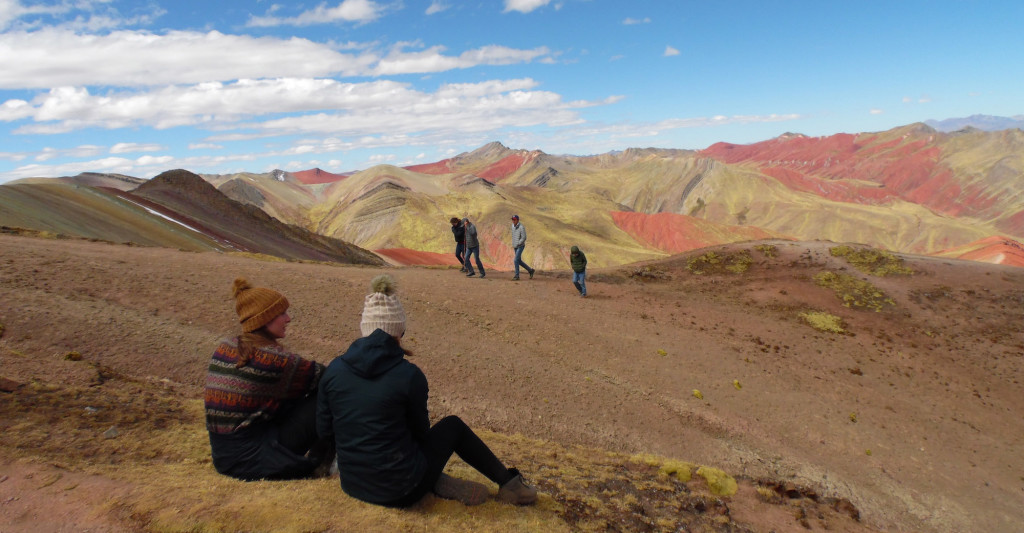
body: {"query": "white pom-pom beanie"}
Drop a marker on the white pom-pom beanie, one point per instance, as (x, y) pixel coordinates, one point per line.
(382, 310)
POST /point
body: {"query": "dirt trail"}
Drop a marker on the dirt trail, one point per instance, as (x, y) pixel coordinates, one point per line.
(913, 415)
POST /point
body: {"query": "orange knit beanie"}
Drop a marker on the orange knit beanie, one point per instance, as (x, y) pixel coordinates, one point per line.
(257, 306)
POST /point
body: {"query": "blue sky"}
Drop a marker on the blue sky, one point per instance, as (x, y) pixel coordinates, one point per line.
(138, 87)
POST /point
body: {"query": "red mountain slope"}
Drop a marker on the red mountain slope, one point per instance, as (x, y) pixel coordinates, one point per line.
(315, 176)
(996, 249)
(865, 169)
(441, 167)
(675, 234)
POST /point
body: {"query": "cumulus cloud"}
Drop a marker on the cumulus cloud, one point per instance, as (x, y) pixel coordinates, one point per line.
(629, 21)
(359, 11)
(204, 146)
(436, 7)
(127, 148)
(53, 58)
(433, 60)
(524, 6)
(669, 51)
(321, 106)
(876, 111)
(85, 150)
(77, 15)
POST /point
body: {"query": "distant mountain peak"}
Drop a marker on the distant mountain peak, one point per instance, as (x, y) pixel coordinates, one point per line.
(980, 122)
(179, 179)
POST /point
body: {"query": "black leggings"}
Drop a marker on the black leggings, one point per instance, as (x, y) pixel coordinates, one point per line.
(452, 435)
(297, 428)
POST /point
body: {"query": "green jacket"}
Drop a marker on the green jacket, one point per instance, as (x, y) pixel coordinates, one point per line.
(578, 260)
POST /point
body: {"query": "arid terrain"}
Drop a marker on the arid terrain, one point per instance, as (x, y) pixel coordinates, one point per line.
(909, 419)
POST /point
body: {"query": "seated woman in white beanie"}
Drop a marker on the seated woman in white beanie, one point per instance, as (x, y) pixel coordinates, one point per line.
(374, 403)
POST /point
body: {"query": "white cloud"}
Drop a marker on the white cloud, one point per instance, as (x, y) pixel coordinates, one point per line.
(350, 111)
(629, 21)
(669, 51)
(53, 58)
(85, 150)
(15, 109)
(88, 15)
(436, 6)
(907, 99)
(204, 146)
(524, 6)
(876, 111)
(360, 11)
(924, 99)
(432, 59)
(125, 148)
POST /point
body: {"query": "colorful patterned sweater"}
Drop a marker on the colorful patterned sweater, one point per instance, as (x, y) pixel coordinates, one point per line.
(237, 397)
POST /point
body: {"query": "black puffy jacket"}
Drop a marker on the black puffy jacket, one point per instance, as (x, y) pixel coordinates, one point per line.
(374, 402)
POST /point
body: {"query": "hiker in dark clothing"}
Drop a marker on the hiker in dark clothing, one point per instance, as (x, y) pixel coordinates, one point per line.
(460, 242)
(261, 399)
(374, 403)
(472, 247)
(578, 260)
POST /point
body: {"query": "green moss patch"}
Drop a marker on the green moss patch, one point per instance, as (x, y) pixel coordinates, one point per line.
(853, 292)
(823, 321)
(872, 261)
(715, 263)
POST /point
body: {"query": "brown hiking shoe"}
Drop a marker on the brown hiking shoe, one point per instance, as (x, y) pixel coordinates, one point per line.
(467, 492)
(516, 491)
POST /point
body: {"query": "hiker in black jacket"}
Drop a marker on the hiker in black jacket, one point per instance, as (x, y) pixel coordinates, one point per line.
(373, 401)
(460, 242)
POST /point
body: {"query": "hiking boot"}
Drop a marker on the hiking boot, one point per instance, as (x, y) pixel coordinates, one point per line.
(516, 491)
(531, 273)
(463, 269)
(482, 275)
(515, 278)
(471, 274)
(467, 492)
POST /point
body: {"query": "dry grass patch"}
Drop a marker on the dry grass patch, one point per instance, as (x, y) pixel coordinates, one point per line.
(853, 292)
(823, 321)
(716, 263)
(872, 261)
(150, 437)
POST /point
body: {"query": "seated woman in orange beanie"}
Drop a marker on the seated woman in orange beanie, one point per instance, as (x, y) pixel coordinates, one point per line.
(261, 399)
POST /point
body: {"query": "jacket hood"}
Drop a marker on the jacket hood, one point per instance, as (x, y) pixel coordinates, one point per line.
(374, 354)
(575, 249)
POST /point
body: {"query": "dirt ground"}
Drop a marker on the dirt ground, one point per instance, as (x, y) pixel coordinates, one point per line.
(913, 414)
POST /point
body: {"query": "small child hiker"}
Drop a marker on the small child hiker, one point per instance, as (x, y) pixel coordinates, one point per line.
(578, 260)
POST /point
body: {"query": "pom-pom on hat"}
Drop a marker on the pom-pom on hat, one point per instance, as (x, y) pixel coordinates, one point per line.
(381, 309)
(256, 306)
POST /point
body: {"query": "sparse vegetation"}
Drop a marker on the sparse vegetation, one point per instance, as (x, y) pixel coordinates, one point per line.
(154, 436)
(649, 273)
(872, 261)
(715, 263)
(854, 292)
(720, 483)
(769, 250)
(823, 321)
